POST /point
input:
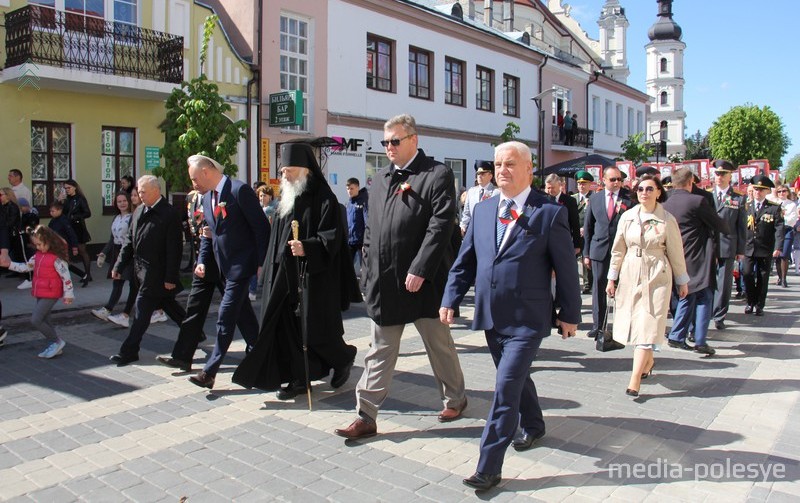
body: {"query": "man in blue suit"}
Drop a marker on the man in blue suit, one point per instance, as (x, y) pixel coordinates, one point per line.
(239, 233)
(517, 239)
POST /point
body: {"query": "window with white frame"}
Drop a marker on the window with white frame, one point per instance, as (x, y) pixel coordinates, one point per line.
(619, 120)
(510, 95)
(639, 122)
(562, 101)
(609, 117)
(295, 61)
(457, 166)
(595, 113)
(630, 121)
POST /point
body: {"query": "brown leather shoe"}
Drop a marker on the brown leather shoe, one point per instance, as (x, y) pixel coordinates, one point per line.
(174, 363)
(449, 414)
(358, 429)
(203, 380)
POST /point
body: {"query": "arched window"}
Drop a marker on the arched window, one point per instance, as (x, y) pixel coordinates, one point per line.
(664, 98)
(664, 130)
(663, 64)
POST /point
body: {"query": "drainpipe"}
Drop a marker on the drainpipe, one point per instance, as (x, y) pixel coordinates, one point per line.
(540, 150)
(256, 68)
(596, 76)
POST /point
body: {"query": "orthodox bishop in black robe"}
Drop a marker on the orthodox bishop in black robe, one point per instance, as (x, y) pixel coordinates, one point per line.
(329, 286)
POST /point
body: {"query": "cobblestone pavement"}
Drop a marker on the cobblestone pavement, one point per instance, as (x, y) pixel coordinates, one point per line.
(78, 429)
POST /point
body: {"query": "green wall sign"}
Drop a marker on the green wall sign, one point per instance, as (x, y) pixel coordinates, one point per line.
(286, 108)
(152, 159)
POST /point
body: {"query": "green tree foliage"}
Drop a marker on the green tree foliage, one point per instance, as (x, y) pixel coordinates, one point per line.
(635, 149)
(196, 123)
(748, 132)
(697, 146)
(792, 169)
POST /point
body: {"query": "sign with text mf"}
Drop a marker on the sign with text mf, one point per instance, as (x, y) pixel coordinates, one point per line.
(286, 108)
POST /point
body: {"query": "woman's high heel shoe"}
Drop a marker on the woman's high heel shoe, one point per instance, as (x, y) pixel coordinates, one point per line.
(649, 372)
(632, 392)
(85, 281)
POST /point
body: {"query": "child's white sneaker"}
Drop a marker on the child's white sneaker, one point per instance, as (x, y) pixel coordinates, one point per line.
(53, 350)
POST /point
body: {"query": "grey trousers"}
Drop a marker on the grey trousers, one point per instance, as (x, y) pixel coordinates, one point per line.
(722, 295)
(373, 387)
(40, 318)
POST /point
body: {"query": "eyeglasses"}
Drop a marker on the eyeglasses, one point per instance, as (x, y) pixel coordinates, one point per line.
(395, 141)
(782, 191)
(648, 188)
(616, 179)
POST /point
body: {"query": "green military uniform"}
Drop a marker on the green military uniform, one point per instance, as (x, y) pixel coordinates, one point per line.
(583, 201)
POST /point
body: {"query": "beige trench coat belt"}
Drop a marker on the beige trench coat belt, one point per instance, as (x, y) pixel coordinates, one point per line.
(636, 252)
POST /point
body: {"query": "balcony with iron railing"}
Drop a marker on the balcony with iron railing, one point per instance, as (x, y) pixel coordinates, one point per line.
(53, 38)
(582, 138)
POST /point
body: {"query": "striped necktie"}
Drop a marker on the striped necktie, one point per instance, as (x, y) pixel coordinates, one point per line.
(503, 221)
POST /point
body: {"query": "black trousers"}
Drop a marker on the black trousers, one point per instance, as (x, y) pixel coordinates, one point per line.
(599, 300)
(197, 306)
(142, 311)
(756, 279)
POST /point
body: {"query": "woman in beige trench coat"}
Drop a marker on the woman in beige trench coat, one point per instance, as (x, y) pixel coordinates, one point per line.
(647, 254)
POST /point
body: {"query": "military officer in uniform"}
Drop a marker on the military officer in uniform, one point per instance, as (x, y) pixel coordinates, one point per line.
(764, 241)
(584, 179)
(730, 206)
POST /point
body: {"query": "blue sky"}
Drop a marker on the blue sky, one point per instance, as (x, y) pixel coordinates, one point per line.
(737, 52)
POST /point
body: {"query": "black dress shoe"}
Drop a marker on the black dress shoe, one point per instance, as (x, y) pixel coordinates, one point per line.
(759, 311)
(341, 375)
(291, 390)
(748, 309)
(719, 325)
(679, 344)
(592, 334)
(705, 349)
(203, 380)
(526, 440)
(738, 295)
(122, 360)
(174, 362)
(482, 481)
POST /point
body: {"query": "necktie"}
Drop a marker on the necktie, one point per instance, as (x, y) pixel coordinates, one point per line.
(503, 221)
(758, 207)
(610, 206)
(480, 195)
(719, 197)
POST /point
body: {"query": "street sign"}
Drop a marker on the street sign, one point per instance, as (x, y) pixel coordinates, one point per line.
(286, 108)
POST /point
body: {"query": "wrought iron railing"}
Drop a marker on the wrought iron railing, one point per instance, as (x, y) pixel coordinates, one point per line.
(69, 40)
(581, 138)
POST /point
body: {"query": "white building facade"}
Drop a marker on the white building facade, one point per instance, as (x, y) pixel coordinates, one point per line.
(463, 84)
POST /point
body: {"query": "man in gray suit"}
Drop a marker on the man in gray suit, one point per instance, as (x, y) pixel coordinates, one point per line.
(730, 206)
(584, 179)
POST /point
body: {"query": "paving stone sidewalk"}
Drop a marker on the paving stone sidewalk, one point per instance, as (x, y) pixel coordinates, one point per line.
(705, 429)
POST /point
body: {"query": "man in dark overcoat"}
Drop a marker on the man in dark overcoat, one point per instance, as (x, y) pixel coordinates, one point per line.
(697, 221)
(329, 287)
(407, 253)
(154, 244)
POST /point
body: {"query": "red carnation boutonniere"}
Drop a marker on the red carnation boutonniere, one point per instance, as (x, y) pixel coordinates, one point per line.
(514, 217)
(404, 187)
(220, 210)
(621, 207)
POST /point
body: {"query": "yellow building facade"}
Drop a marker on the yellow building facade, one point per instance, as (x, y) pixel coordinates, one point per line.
(83, 87)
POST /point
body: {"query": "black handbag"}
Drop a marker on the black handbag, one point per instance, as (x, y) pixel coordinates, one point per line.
(605, 339)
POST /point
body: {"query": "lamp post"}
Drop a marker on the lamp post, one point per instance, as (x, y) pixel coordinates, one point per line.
(538, 101)
(657, 144)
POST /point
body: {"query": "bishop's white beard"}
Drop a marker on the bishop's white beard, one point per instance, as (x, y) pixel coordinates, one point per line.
(290, 191)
